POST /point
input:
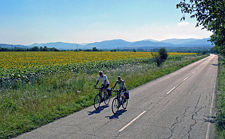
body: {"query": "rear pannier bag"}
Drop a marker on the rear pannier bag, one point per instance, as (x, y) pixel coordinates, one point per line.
(126, 94)
(109, 91)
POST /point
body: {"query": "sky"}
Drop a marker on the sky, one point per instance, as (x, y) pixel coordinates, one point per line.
(85, 21)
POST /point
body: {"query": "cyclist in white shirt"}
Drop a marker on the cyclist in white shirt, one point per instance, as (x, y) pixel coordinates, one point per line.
(105, 82)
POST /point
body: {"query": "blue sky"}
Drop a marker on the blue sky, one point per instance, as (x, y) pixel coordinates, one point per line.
(84, 21)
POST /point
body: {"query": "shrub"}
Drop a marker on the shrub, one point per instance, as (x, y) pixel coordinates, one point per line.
(163, 54)
(160, 57)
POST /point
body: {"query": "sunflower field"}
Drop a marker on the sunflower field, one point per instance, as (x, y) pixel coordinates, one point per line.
(19, 68)
(34, 59)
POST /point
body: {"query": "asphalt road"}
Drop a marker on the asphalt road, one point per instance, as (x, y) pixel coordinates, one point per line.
(177, 106)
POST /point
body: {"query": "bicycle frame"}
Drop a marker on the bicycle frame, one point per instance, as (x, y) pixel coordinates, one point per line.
(118, 101)
(99, 98)
(118, 95)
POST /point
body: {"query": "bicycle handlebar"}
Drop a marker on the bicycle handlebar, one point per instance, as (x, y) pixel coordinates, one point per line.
(97, 87)
(114, 90)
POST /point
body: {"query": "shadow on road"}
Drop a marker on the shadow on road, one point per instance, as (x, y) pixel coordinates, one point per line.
(215, 64)
(211, 119)
(116, 116)
(98, 110)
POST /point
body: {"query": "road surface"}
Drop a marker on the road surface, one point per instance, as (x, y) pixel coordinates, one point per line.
(177, 106)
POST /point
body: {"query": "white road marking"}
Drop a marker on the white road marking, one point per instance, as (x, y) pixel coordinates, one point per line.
(183, 80)
(171, 90)
(186, 78)
(210, 112)
(132, 121)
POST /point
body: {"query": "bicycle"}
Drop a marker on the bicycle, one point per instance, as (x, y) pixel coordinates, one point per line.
(118, 101)
(99, 98)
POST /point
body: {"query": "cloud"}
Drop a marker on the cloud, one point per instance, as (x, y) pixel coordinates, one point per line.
(183, 24)
(165, 32)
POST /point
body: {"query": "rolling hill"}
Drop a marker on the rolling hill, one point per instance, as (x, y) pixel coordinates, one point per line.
(58, 45)
(122, 44)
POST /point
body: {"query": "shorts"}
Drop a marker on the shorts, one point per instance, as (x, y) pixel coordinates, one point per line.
(122, 93)
(105, 86)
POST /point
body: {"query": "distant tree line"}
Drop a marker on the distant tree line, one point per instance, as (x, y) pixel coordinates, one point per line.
(94, 49)
(45, 48)
(35, 48)
(192, 50)
(173, 49)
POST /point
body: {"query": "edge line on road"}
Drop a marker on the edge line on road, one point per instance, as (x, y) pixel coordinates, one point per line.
(210, 112)
(132, 121)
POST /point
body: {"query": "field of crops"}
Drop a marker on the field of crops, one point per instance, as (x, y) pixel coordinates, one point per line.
(33, 59)
(19, 68)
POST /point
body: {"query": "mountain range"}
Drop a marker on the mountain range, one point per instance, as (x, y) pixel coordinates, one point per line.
(122, 44)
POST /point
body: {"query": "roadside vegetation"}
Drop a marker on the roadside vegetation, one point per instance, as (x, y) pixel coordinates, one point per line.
(36, 100)
(220, 100)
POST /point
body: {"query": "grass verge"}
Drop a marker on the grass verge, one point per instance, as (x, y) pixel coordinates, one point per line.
(60, 94)
(220, 100)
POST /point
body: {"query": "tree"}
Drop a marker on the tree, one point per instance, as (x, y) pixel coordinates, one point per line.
(35, 48)
(87, 50)
(160, 57)
(210, 14)
(113, 50)
(45, 48)
(163, 54)
(53, 49)
(94, 49)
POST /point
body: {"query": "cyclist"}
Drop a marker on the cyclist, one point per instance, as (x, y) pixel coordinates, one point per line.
(105, 83)
(122, 87)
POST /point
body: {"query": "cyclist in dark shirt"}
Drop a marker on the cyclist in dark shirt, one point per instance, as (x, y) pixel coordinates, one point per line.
(122, 86)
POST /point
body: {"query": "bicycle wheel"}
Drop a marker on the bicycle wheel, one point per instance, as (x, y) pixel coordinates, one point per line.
(97, 101)
(115, 105)
(125, 104)
(106, 99)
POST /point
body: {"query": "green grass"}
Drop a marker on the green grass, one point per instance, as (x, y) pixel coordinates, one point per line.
(220, 100)
(56, 95)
